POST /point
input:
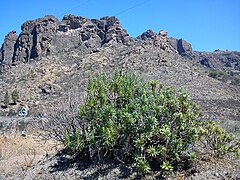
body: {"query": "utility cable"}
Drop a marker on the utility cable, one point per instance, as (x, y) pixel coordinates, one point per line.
(120, 12)
(132, 7)
(76, 7)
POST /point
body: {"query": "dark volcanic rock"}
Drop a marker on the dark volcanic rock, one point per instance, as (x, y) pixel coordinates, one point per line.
(149, 34)
(44, 34)
(182, 46)
(225, 61)
(173, 42)
(86, 34)
(114, 32)
(157, 40)
(71, 22)
(47, 35)
(7, 50)
(73, 33)
(163, 33)
(166, 43)
(35, 38)
(205, 62)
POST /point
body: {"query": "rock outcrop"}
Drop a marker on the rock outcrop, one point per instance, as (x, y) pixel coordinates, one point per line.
(166, 43)
(86, 34)
(228, 61)
(159, 40)
(48, 35)
(182, 46)
(35, 39)
(7, 49)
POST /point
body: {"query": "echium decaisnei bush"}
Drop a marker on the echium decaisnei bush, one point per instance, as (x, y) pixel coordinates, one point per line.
(135, 121)
(218, 140)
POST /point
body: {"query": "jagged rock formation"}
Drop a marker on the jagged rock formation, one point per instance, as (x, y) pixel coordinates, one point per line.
(158, 40)
(34, 40)
(166, 43)
(85, 34)
(7, 49)
(182, 46)
(76, 38)
(48, 35)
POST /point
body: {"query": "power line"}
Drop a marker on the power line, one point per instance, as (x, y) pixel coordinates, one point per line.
(120, 12)
(76, 7)
(132, 7)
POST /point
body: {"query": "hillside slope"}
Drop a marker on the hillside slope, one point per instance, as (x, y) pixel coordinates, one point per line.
(51, 58)
(49, 55)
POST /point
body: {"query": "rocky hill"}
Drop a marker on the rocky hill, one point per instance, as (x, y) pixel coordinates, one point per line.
(49, 53)
(48, 35)
(51, 58)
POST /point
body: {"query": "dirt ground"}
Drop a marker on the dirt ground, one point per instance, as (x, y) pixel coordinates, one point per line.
(18, 153)
(31, 157)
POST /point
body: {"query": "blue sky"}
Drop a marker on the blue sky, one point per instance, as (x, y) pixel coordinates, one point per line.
(207, 24)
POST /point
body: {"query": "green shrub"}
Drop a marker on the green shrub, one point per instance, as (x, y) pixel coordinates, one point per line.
(215, 74)
(218, 140)
(134, 120)
(15, 96)
(138, 122)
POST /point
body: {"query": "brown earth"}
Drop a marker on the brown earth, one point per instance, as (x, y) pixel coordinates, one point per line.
(18, 153)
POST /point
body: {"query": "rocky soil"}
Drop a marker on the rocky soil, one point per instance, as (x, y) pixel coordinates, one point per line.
(51, 58)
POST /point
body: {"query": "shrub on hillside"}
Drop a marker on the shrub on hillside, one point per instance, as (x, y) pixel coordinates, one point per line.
(131, 120)
(216, 74)
(143, 123)
(15, 96)
(218, 140)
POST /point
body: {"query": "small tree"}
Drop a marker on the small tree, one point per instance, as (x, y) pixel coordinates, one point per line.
(6, 99)
(15, 96)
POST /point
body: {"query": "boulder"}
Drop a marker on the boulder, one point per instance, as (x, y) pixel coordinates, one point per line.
(163, 33)
(173, 42)
(205, 62)
(183, 47)
(149, 34)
